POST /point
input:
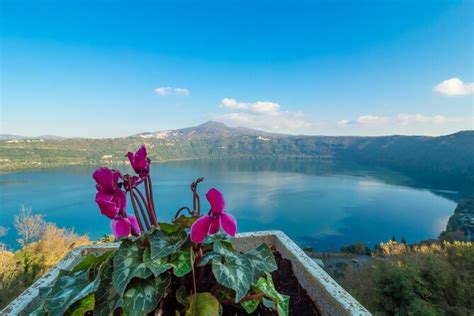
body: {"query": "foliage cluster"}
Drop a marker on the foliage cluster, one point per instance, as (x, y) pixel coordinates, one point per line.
(163, 265)
(43, 244)
(425, 279)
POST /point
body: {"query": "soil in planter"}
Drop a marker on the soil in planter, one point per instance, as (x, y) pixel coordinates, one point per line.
(285, 282)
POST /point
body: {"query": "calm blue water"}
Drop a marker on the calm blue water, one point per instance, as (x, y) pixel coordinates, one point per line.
(320, 204)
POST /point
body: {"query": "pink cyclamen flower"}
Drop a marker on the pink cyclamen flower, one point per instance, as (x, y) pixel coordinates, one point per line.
(139, 161)
(124, 226)
(210, 224)
(110, 198)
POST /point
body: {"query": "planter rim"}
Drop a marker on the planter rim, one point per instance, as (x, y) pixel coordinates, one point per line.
(330, 297)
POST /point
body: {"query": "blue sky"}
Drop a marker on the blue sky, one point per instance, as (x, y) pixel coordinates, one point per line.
(95, 68)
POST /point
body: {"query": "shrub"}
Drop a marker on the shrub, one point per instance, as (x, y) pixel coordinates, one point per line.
(42, 244)
(434, 279)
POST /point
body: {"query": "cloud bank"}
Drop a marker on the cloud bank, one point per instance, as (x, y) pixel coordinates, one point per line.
(265, 115)
(401, 119)
(164, 91)
(454, 87)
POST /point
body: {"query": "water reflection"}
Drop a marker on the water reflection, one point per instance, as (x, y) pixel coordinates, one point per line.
(324, 204)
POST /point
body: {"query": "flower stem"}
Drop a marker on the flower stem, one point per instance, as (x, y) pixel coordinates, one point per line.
(149, 212)
(150, 187)
(149, 197)
(139, 221)
(134, 197)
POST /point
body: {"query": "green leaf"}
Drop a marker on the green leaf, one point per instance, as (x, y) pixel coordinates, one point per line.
(185, 221)
(106, 297)
(182, 295)
(250, 306)
(222, 293)
(181, 262)
(280, 302)
(69, 288)
(234, 272)
(157, 266)
(163, 244)
(44, 292)
(217, 237)
(142, 296)
(262, 260)
(169, 228)
(83, 306)
(40, 311)
(91, 261)
(224, 247)
(203, 304)
(128, 263)
(211, 255)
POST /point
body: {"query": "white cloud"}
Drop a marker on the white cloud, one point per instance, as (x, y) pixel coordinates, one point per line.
(454, 87)
(258, 107)
(343, 122)
(264, 115)
(364, 120)
(164, 91)
(370, 119)
(403, 119)
(420, 118)
(181, 91)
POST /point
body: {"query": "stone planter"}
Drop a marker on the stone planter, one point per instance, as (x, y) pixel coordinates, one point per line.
(328, 295)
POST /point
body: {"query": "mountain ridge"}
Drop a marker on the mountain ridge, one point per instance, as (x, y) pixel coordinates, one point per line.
(213, 129)
(441, 159)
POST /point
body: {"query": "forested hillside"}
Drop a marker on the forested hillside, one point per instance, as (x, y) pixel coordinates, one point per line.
(444, 158)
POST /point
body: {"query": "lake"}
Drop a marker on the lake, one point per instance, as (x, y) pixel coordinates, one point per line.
(322, 204)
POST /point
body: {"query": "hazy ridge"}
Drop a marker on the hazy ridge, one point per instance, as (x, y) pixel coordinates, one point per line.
(444, 158)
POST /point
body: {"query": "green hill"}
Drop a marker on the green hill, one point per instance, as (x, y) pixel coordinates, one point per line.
(443, 159)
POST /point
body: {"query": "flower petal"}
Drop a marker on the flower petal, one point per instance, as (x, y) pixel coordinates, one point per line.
(200, 228)
(106, 179)
(121, 227)
(131, 159)
(215, 225)
(216, 199)
(106, 204)
(120, 200)
(141, 161)
(229, 224)
(134, 224)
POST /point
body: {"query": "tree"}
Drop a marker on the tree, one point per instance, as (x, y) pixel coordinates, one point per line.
(43, 244)
(28, 226)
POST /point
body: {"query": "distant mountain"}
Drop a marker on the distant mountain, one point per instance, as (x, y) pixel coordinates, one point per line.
(446, 160)
(18, 137)
(210, 129)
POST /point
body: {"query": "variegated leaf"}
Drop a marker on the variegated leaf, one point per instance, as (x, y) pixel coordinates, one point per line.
(181, 262)
(106, 297)
(281, 302)
(143, 295)
(92, 261)
(262, 260)
(157, 266)
(70, 287)
(234, 272)
(250, 306)
(83, 306)
(128, 263)
(208, 256)
(163, 244)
